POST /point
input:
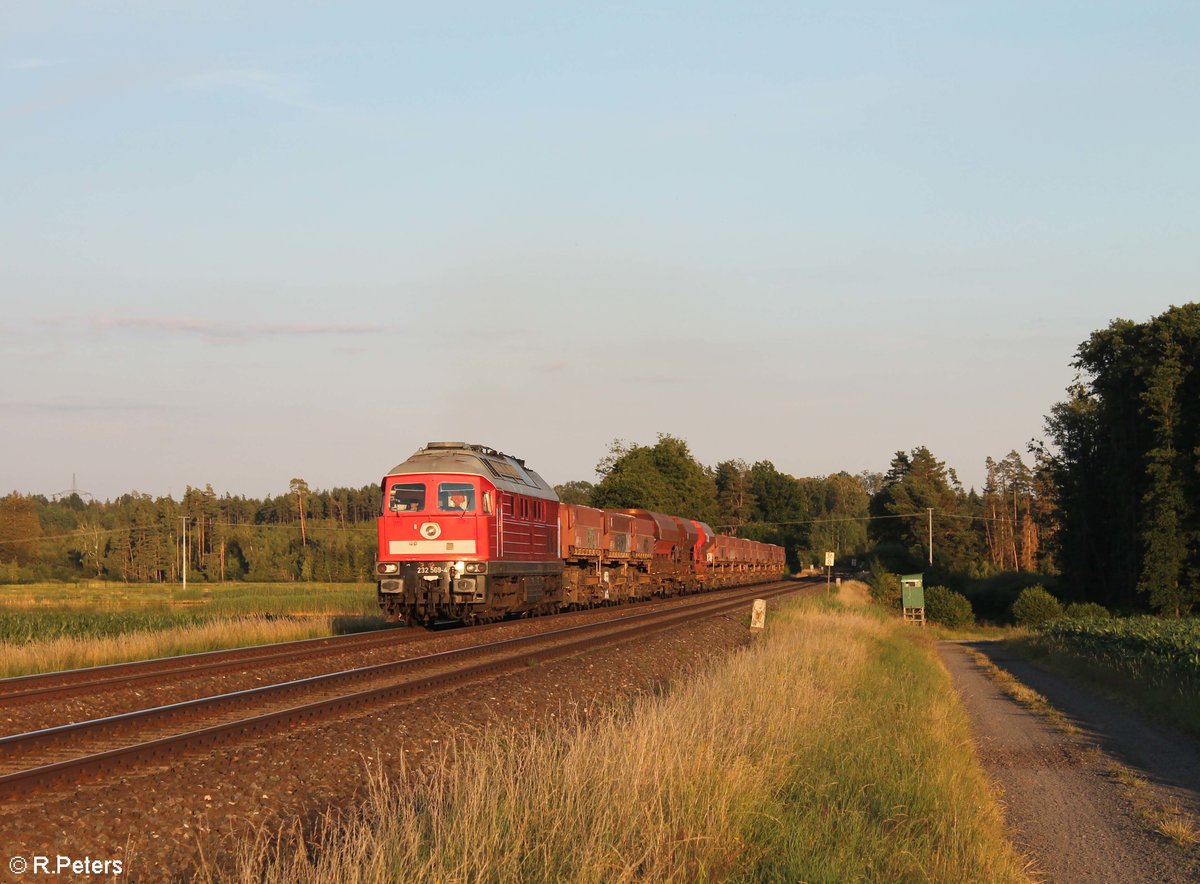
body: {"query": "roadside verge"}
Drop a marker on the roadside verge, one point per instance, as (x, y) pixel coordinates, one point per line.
(1071, 807)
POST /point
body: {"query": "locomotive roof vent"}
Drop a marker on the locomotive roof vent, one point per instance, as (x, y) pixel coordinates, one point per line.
(509, 472)
(464, 446)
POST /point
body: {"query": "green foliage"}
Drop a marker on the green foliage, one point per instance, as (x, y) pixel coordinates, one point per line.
(993, 597)
(894, 556)
(577, 492)
(916, 482)
(807, 516)
(663, 477)
(839, 503)
(20, 529)
(137, 538)
(1086, 611)
(1127, 467)
(735, 501)
(1035, 606)
(885, 586)
(948, 607)
(1163, 653)
(1015, 513)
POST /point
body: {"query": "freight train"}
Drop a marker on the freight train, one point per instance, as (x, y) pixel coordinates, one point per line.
(469, 533)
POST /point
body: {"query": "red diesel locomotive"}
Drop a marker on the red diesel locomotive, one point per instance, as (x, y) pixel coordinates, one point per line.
(468, 533)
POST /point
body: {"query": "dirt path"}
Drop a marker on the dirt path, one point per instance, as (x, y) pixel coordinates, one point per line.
(1064, 807)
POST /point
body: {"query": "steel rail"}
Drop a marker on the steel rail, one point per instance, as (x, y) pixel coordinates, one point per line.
(516, 654)
(33, 688)
(42, 686)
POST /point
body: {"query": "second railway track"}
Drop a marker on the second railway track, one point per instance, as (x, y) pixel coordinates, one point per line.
(60, 756)
(55, 685)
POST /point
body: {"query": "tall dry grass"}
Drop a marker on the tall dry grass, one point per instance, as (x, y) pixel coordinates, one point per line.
(53, 655)
(831, 750)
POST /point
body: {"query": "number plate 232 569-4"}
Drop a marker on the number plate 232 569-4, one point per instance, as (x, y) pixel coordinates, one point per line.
(432, 569)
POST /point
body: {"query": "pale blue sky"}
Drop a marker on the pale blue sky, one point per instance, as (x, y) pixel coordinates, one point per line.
(249, 241)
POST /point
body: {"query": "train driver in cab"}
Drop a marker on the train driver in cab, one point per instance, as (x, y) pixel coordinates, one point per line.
(458, 500)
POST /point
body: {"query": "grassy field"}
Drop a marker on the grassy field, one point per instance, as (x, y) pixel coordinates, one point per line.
(832, 749)
(46, 627)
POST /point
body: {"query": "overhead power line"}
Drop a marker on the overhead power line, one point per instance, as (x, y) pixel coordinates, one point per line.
(830, 521)
(937, 514)
(97, 532)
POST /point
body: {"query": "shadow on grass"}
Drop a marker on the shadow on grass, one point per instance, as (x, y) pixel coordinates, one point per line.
(345, 624)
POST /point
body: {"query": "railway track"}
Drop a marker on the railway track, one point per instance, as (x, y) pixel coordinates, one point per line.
(62, 756)
(56, 685)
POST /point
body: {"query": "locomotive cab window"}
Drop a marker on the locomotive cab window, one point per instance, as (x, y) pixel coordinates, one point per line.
(456, 497)
(407, 498)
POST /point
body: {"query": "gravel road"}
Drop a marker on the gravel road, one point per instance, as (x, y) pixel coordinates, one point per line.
(1064, 808)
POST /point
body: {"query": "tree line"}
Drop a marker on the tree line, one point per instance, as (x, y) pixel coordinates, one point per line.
(804, 515)
(1125, 462)
(307, 534)
(1107, 510)
(977, 534)
(298, 535)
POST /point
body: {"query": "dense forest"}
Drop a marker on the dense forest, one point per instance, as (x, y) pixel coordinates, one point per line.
(1126, 464)
(1108, 511)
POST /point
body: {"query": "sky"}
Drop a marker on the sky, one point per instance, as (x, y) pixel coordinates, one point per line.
(245, 242)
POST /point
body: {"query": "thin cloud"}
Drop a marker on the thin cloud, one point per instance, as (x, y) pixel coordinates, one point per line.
(30, 64)
(224, 330)
(267, 85)
(88, 87)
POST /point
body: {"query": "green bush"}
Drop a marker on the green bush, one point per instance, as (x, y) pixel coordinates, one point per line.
(885, 586)
(1034, 605)
(1086, 611)
(948, 607)
(992, 599)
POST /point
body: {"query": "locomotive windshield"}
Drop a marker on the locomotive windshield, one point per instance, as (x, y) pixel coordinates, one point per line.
(407, 498)
(456, 497)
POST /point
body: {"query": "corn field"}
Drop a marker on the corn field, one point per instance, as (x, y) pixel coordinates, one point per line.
(1162, 653)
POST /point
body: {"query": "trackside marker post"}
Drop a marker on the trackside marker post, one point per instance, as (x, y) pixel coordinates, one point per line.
(758, 615)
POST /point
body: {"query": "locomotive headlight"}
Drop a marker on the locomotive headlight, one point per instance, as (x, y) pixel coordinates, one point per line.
(387, 567)
(459, 567)
(476, 567)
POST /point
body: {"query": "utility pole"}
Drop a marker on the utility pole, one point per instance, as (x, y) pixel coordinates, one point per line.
(930, 536)
(183, 520)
